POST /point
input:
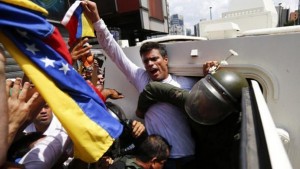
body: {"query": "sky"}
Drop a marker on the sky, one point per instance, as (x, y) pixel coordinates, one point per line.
(195, 10)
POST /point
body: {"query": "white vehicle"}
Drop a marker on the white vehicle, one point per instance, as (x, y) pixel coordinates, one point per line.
(269, 58)
(270, 61)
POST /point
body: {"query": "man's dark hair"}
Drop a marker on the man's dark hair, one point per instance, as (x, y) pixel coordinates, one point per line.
(148, 46)
(153, 146)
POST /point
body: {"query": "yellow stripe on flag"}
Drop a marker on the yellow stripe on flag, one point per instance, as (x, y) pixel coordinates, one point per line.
(27, 4)
(87, 27)
(90, 140)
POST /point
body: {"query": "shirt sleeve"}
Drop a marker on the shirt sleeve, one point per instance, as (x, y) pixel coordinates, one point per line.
(161, 92)
(116, 54)
(46, 152)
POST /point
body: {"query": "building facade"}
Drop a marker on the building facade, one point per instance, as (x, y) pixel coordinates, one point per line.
(176, 25)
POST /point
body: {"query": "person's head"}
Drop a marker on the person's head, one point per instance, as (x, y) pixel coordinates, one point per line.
(87, 73)
(100, 79)
(44, 118)
(153, 152)
(215, 97)
(155, 59)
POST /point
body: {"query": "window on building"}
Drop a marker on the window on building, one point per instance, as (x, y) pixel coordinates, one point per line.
(156, 10)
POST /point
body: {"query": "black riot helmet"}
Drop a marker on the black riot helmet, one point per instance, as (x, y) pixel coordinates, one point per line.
(215, 96)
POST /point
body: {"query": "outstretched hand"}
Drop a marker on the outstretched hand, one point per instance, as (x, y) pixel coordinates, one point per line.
(108, 93)
(112, 94)
(78, 50)
(90, 10)
(208, 65)
(18, 107)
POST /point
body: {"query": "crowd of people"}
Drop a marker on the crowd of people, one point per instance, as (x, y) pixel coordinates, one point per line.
(35, 139)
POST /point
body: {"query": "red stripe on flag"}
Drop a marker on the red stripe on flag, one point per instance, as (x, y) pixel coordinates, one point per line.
(72, 27)
(56, 41)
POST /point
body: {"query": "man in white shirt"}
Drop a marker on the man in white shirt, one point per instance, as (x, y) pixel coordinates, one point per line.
(172, 125)
(48, 150)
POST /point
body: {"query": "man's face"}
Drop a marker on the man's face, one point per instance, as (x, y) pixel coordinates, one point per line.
(100, 79)
(155, 65)
(100, 82)
(158, 164)
(44, 117)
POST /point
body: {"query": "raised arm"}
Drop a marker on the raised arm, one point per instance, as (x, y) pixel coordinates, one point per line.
(3, 111)
(18, 106)
(111, 47)
(91, 11)
(77, 51)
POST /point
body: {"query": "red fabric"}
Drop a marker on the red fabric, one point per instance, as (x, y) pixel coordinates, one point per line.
(98, 92)
(56, 42)
(72, 28)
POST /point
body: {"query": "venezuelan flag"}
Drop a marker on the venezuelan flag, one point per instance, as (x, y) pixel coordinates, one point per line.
(39, 49)
(77, 24)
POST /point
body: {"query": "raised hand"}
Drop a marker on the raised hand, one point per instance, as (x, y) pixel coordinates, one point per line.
(90, 10)
(111, 93)
(78, 51)
(18, 108)
(209, 65)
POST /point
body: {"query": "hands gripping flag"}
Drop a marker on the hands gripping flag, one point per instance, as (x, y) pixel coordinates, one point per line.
(40, 51)
(77, 24)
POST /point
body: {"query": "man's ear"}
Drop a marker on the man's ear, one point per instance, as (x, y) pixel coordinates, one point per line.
(154, 159)
(152, 162)
(166, 58)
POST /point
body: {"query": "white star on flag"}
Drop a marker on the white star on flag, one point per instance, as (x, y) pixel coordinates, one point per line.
(48, 62)
(31, 48)
(65, 68)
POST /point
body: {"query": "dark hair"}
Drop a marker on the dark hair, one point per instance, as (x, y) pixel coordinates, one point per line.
(153, 146)
(148, 46)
